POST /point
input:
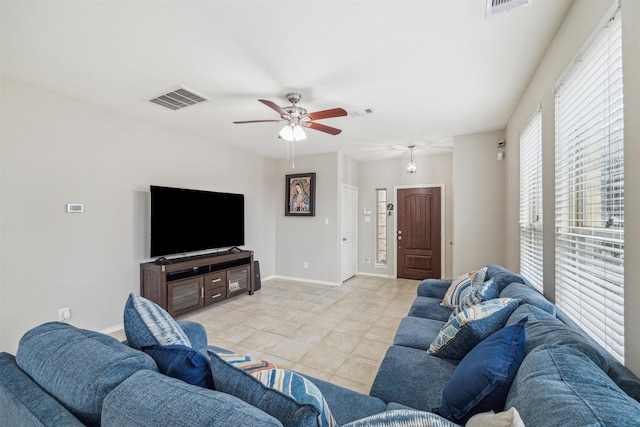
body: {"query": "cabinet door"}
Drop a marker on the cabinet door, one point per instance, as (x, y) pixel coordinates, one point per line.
(238, 280)
(184, 295)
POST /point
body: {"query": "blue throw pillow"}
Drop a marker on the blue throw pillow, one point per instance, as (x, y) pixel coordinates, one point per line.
(147, 324)
(183, 363)
(481, 382)
(460, 334)
(288, 396)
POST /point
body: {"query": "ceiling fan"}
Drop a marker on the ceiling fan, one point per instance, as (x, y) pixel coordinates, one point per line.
(296, 117)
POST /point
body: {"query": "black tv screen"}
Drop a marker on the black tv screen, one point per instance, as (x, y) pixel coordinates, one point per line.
(185, 220)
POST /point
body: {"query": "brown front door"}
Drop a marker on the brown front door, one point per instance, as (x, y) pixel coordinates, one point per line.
(418, 236)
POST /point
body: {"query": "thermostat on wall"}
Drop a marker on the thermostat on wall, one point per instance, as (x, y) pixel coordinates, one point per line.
(75, 207)
(366, 211)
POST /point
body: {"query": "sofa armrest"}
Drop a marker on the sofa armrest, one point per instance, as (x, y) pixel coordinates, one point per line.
(196, 332)
(23, 402)
(434, 288)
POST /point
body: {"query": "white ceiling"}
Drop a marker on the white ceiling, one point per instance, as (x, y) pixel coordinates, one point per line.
(430, 70)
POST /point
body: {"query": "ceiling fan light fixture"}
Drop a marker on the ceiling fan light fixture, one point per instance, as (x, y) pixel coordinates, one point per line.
(412, 166)
(292, 133)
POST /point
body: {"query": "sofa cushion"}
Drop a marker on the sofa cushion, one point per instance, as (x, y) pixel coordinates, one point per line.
(147, 324)
(459, 335)
(461, 286)
(24, 403)
(403, 418)
(417, 332)
(183, 363)
(151, 399)
(501, 276)
(286, 395)
(347, 405)
(78, 367)
(528, 295)
(479, 292)
(482, 380)
(429, 308)
(588, 397)
(412, 377)
(434, 288)
(542, 329)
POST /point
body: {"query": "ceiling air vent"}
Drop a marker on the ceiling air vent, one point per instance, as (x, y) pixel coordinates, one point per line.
(179, 98)
(496, 7)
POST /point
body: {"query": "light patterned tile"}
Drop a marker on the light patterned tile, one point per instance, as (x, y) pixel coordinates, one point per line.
(337, 334)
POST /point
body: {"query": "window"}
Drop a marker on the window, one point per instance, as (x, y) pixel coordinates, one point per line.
(531, 201)
(590, 190)
(381, 226)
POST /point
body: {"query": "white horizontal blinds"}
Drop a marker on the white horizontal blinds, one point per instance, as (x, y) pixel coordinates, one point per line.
(531, 201)
(590, 191)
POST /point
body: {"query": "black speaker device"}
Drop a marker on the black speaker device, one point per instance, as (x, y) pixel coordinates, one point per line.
(256, 276)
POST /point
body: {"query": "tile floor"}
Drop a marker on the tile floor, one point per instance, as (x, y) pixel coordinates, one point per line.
(336, 333)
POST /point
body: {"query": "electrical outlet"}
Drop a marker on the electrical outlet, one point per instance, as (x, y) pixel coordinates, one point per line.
(305, 264)
(64, 314)
(368, 259)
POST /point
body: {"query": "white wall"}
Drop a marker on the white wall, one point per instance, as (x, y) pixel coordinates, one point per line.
(56, 150)
(432, 169)
(478, 202)
(308, 239)
(578, 25)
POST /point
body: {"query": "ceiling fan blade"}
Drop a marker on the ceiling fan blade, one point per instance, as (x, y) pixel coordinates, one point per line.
(322, 128)
(258, 121)
(275, 106)
(327, 114)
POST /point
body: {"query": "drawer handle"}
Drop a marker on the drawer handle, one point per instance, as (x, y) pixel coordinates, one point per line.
(215, 296)
(216, 280)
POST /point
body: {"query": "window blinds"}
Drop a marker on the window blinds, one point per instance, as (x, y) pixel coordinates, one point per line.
(531, 201)
(590, 191)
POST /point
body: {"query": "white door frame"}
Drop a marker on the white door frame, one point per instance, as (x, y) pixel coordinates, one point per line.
(443, 220)
(355, 230)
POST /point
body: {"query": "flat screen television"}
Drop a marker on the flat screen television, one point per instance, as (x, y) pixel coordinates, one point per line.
(185, 220)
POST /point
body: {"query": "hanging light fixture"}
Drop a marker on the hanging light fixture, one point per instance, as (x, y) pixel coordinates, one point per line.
(292, 133)
(412, 166)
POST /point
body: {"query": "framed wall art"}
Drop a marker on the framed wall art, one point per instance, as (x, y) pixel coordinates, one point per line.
(300, 194)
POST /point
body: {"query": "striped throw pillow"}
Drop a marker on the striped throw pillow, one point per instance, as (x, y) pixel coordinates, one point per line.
(283, 394)
(462, 286)
(147, 324)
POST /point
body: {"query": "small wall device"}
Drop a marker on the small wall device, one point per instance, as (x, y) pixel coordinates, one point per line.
(75, 207)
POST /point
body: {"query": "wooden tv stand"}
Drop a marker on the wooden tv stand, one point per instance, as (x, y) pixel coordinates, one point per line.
(190, 283)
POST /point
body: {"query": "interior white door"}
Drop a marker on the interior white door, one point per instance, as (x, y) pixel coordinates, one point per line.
(348, 228)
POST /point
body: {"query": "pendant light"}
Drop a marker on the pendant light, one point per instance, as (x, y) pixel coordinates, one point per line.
(292, 133)
(412, 166)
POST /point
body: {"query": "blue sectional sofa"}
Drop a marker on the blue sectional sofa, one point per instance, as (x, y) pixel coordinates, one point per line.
(565, 378)
(556, 375)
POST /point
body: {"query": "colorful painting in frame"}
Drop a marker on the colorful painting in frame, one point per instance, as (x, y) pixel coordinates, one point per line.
(300, 194)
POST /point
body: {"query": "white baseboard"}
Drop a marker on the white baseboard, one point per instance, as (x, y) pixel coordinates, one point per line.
(386, 276)
(317, 282)
(112, 329)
